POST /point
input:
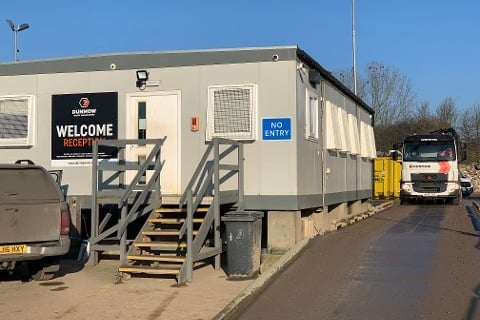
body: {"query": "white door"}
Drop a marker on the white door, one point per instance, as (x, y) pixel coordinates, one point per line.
(155, 116)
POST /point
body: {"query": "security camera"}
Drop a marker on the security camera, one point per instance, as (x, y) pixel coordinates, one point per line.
(112, 66)
(275, 58)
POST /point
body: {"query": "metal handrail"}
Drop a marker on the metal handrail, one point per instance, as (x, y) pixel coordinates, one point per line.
(127, 191)
(206, 181)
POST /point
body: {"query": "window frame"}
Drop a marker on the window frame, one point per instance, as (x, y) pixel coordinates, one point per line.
(29, 140)
(311, 115)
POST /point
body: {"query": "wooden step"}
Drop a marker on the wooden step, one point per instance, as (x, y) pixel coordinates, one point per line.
(179, 210)
(156, 258)
(149, 270)
(161, 244)
(174, 220)
(173, 200)
(165, 232)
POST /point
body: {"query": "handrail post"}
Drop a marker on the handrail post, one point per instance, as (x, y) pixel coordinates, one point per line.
(241, 181)
(94, 206)
(189, 257)
(123, 236)
(216, 200)
(157, 183)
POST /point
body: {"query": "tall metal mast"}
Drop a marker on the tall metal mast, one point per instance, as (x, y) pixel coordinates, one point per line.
(354, 49)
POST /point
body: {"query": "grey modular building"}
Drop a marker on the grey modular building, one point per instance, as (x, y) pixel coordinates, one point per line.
(308, 145)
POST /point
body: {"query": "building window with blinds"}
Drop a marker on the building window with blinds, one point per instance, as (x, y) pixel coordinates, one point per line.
(311, 116)
(16, 120)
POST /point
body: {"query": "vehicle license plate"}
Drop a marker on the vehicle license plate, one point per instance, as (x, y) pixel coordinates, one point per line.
(13, 249)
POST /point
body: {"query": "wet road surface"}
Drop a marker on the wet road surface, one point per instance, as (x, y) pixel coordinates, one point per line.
(407, 262)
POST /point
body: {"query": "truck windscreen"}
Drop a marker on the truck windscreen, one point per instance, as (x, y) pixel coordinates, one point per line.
(429, 151)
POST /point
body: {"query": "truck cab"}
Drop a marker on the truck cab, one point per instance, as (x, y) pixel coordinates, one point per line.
(430, 168)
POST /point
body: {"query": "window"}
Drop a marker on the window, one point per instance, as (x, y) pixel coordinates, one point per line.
(345, 145)
(16, 120)
(367, 147)
(353, 133)
(142, 120)
(311, 116)
(331, 138)
(232, 112)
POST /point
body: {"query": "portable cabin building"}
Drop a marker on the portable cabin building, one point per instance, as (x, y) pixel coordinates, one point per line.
(309, 145)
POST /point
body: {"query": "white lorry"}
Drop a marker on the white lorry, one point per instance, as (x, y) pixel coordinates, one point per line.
(430, 167)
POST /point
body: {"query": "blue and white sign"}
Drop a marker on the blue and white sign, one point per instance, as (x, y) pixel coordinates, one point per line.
(277, 129)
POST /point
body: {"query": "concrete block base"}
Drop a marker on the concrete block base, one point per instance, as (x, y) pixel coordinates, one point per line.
(284, 230)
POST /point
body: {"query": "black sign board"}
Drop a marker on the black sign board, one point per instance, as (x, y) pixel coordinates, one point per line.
(80, 119)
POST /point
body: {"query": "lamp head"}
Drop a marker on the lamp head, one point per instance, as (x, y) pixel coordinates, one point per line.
(23, 26)
(142, 78)
(10, 23)
(142, 75)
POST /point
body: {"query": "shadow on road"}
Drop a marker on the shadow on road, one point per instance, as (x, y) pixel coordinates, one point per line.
(472, 313)
(70, 263)
(471, 213)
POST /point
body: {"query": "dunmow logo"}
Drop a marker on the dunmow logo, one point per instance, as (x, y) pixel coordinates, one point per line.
(84, 111)
(84, 102)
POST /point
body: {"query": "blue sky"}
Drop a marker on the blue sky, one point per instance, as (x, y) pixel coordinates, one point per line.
(436, 44)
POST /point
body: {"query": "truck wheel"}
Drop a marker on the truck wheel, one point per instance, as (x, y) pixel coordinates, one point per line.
(456, 201)
(43, 270)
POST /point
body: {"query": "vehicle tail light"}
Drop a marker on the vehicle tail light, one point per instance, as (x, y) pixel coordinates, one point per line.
(65, 222)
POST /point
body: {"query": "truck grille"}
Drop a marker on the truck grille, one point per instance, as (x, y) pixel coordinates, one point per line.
(429, 182)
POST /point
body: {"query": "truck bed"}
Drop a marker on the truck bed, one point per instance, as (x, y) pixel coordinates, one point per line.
(30, 205)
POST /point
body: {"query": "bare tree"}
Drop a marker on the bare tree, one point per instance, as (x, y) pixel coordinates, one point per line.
(346, 77)
(385, 89)
(391, 96)
(389, 93)
(446, 113)
(422, 119)
(469, 129)
(469, 124)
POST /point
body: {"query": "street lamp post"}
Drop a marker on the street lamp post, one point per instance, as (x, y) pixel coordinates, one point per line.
(19, 28)
(354, 49)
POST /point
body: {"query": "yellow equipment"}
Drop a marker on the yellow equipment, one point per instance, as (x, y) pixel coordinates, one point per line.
(387, 175)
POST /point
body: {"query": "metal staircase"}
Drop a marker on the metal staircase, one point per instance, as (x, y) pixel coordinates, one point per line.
(159, 249)
(175, 238)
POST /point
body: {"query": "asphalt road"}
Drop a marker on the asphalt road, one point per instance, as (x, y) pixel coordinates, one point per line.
(407, 262)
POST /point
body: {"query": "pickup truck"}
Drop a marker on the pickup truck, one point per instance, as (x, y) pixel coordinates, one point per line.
(34, 220)
(466, 184)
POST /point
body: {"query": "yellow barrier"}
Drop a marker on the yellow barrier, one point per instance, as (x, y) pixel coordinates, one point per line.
(387, 177)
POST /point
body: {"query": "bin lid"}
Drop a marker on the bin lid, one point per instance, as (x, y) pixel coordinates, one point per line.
(242, 216)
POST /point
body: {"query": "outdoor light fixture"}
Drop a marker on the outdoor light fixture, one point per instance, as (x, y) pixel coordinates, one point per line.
(142, 78)
(20, 27)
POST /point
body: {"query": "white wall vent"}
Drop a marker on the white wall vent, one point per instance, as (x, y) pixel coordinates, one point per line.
(232, 112)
